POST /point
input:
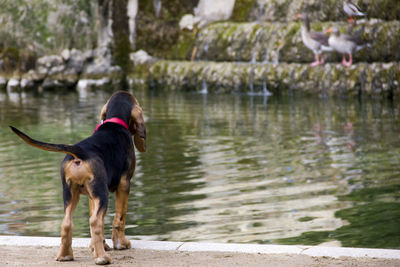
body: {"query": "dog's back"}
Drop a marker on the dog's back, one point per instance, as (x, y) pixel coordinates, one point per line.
(110, 147)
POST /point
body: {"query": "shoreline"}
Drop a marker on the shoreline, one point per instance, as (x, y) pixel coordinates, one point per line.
(317, 251)
(18, 251)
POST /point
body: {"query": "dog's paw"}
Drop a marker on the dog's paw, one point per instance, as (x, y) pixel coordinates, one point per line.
(103, 260)
(121, 244)
(65, 258)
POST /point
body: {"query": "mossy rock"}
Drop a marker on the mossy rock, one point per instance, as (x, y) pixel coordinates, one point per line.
(241, 10)
(281, 42)
(330, 79)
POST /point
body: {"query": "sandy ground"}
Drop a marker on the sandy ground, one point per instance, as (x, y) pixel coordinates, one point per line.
(45, 256)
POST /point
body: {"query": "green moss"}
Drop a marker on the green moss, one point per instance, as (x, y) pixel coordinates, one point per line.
(242, 9)
(229, 30)
(184, 47)
(255, 29)
(121, 52)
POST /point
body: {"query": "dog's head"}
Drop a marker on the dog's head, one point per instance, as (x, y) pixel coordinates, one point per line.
(136, 121)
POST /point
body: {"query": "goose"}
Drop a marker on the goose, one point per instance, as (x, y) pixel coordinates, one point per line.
(345, 44)
(315, 41)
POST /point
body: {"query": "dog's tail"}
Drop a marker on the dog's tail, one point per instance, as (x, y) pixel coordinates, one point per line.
(74, 151)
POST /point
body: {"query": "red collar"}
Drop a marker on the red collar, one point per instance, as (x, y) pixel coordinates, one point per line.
(113, 120)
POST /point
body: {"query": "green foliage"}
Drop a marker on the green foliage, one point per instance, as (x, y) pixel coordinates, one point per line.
(46, 25)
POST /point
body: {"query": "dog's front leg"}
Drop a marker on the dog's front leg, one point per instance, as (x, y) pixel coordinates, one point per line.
(71, 199)
(121, 203)
(97, 229)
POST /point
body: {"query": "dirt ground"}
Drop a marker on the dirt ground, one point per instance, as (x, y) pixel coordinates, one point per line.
(45, 256)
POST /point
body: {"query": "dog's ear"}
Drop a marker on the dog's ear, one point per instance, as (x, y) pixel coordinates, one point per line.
(103, 112)
(137, 127)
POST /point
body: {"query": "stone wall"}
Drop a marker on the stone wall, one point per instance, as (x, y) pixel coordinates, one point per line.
(362, 78)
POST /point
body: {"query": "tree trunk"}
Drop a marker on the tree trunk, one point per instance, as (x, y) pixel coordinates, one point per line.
(120, 29)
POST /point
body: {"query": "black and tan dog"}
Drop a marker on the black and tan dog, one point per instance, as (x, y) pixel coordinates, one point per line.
(100, 163)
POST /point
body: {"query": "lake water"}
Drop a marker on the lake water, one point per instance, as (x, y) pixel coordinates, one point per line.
(219, 167)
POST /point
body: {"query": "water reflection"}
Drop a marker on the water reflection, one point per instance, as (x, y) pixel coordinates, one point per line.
(225, 168)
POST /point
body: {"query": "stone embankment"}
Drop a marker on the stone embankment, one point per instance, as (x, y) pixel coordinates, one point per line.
(359, 79)
(262, 52)
(54, 72)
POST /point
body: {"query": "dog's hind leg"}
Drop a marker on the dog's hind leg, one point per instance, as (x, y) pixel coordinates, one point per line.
(91, 246)
(97, 229)
(121, 203)
(65, 253)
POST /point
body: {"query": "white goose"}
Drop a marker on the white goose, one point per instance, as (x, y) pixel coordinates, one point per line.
(345, 44)
(315, 41)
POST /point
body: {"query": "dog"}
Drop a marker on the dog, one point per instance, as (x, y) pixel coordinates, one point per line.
(102, 163)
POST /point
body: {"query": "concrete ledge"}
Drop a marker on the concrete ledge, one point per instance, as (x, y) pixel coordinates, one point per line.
(317, 251)
(242, 248)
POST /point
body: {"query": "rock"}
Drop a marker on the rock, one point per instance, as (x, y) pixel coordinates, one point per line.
(61, 71)
(50, 65)
(75, 62)
(188, 21)
(54, 83)
(27, 84)
(88, 55)
(213, 10)
(13, 85)
(49, 61)
(65, 54)
(56, 70)
(86, 84)
(34, 75)
(207, 11)
(141, 57)
(102, 63)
